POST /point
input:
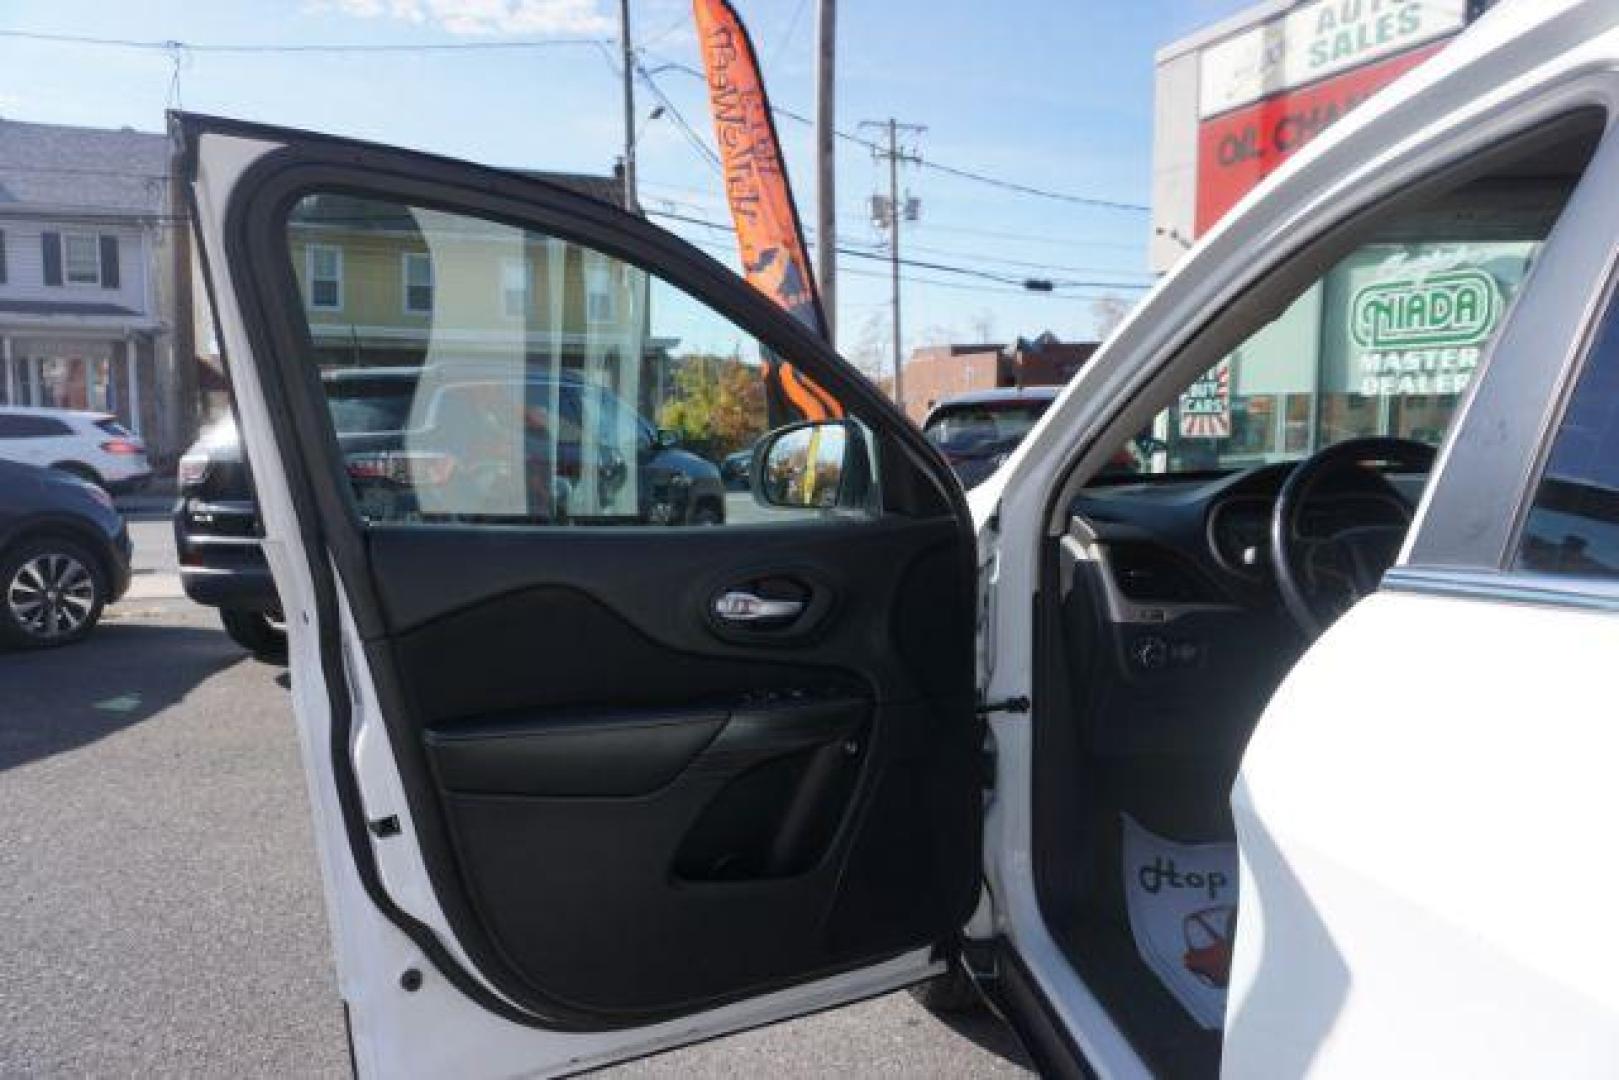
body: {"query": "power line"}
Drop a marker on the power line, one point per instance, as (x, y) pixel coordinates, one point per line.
(709, 157)
(1031, 238)
(699, 195)
(921, 264)
(936, 166)
(173, 45)
(714, 207)
(787, 36)
(916, 279)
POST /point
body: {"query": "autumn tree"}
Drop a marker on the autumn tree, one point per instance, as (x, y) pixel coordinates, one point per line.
(717, 404)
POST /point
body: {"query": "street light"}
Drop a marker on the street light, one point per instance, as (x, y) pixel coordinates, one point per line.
(655, 114)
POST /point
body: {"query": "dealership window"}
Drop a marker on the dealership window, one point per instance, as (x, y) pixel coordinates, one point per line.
(516, 288)
(418, 271)
(81, 258)
(1384, 343)
(325, 273)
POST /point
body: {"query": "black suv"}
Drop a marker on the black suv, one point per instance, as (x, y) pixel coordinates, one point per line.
(375, 413)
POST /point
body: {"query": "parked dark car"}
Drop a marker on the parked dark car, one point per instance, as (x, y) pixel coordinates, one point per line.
(64, 556)
(216, 535)
(976, 432)
(216, 526)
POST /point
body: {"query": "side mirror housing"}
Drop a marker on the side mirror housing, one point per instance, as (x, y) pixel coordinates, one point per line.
(820, 465)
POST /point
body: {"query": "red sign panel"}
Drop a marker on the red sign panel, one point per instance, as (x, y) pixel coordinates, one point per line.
(1238, 149)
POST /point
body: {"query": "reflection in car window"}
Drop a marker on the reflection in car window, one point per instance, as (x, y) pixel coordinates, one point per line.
(1384, 343)
(970, 426)
(546, 383)
(1573, 524)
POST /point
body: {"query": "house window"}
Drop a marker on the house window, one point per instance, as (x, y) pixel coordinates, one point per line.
(601, 303)
(516, 288)
(81, 258)
(418, 283)
(325, 268)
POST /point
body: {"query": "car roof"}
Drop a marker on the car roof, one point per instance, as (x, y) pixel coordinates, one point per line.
(44, 410)
(1001, 394)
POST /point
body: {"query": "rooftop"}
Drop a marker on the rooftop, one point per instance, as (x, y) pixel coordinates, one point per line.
(86, 169)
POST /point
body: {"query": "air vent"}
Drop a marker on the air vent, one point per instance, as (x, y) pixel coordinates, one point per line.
(1151, 575)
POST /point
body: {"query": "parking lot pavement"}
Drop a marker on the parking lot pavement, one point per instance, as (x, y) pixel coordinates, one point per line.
(159, 893)
(157, 881)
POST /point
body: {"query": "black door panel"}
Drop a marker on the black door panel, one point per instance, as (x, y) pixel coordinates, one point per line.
(634, 807)
(611, 753)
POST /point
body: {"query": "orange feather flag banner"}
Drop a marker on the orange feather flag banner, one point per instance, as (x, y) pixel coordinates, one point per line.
(768, 234)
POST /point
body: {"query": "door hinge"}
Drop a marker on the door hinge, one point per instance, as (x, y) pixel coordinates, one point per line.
(1007, 705)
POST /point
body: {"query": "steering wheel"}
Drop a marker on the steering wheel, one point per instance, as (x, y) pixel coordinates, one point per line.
(1321, 577)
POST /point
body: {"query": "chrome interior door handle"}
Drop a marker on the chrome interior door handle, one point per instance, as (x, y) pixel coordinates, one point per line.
(736, 606)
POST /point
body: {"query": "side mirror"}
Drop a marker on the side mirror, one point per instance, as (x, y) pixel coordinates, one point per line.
(816, 466)
(666, 439)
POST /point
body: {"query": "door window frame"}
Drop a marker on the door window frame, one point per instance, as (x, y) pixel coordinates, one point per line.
(1465, 538)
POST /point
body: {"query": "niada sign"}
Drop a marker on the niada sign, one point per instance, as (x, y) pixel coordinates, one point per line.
(1422, 335)
(1458, 307)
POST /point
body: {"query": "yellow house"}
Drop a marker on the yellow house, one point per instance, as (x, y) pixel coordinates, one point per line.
(384, 284)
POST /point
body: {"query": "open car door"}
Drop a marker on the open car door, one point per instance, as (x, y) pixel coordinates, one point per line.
(593, 775)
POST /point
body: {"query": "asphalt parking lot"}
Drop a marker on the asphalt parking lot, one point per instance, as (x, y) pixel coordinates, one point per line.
(158, 884)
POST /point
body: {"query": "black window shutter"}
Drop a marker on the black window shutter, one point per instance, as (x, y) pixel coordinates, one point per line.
(51, 243)
(2, 258)
(109, 262)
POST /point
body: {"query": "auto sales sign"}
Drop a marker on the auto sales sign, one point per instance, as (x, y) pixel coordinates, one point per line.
(1268, 90)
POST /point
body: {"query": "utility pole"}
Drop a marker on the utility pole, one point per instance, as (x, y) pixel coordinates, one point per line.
(630, 201)
(887, 214)
(826, 194)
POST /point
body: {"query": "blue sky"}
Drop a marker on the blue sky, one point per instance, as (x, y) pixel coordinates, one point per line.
(1052, 93)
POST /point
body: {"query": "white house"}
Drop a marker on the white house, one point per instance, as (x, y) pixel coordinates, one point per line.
(87, 284)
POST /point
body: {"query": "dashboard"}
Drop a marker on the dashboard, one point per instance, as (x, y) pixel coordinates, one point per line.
(1171, 617)
(1206, 539)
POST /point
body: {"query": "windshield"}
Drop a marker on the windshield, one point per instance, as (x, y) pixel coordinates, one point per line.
(1384, 343)
(982, 427)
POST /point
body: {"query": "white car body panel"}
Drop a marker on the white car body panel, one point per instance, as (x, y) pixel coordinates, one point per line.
(1430, 865)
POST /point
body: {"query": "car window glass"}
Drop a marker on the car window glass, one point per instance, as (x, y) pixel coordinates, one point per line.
(32, 427)
(965, 427)
(548, 384)
(1384, 343)
(1573, 523)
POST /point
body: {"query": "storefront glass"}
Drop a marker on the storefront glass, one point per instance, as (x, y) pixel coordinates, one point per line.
(73, 374)
(1384, 343)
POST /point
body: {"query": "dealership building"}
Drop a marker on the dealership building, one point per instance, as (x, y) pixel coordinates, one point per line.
(1396, 328)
